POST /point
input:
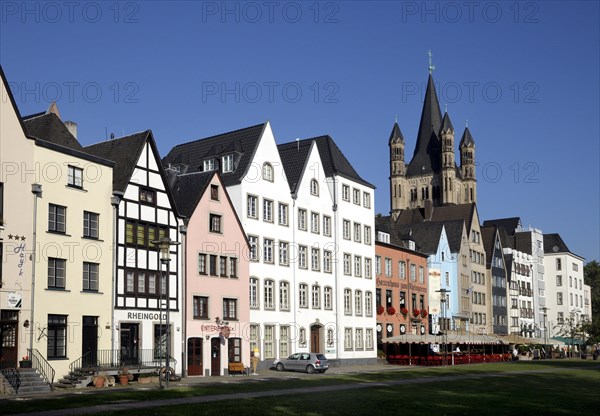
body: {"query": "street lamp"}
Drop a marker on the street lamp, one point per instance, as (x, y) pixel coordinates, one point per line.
(164, 246)
(36, 190)
(545, 315)
(443, 293)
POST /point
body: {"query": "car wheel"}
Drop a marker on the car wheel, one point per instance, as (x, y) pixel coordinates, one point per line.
(280, 367)
(310, 369)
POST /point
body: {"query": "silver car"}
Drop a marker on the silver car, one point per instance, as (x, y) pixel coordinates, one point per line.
(303, 361)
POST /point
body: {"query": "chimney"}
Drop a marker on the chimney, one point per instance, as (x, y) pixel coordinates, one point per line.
(72, 127)
(428, 209)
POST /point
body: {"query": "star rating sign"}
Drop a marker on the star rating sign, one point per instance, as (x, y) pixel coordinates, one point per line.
(10, 236)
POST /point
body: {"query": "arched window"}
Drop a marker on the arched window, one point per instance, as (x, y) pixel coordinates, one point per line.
(267, 172)
(314, 187)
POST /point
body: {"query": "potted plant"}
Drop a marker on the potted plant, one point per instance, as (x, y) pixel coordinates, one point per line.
(25, 362)
(424, 313)
(380, 309)
(416, 312)
(391, 310)
(146, 378)
(100, 379)
(124, 376)
(404, 311)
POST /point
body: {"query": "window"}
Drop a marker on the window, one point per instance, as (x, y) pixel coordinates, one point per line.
(267, 210)
(254, 330)
(56, 218)
(358, 303)
(147, 196)
(559, 298)
(214, 192)
(357, 232)
(359, 338)
(56, 273)
(303, 295)
(314, 222)
(377, 265)
(302, 253)
(212, 265)
(230, 309)
(347, 302)
(366, 200)
(284, 257)
(357, 266)
(571, 281)
(253, 240)
(269, 294)
(368, 338)
(90, 276)
(268, 250)
(330, 337)
(345, 192)
(75, 176)
(267, 172)
(283, 214)
(368, 303)
(233, 267)
(201, 263)
(223, 266)
(208, 165)
(200, 306)
(575, 267)
(215, 223)
(388, 267)
(315, 259)
(254, 293)
(348, 339)
(301, 219)
(367, 234)
(368, 268)
(314, 187)
(560, 318)
(413, 270)
(284, 340)
(402, 269)
(269, 341)
(316, 297)
(558, 264)
(327, 261)
(57, 336)
(90, 224)
(251, 208)
(347, 270)
(326, 226)
(327, 297)
(356, 196)
(284, 296)
(302, 337)
(227, 164)
(346, 229)
(421, 274)
(143, 235)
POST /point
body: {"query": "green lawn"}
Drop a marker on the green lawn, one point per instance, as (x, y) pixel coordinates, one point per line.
(541, 387)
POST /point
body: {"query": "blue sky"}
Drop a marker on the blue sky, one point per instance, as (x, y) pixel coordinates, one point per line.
(524, 74)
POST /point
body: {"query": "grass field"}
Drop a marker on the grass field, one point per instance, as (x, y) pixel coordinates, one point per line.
(539, 388)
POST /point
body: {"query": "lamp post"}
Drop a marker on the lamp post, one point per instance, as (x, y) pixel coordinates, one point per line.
(164, 246)
(443, 293)
(544, 309)
(36, 190)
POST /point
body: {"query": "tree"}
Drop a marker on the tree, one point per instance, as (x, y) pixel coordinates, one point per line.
(591, 276)
(572, 330)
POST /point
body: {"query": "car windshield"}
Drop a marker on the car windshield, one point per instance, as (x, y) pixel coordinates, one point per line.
(321, 357)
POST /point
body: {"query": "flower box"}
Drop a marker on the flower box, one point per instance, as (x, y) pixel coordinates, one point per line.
(391, 310)
(380, 309)
(25, 363)
(416, 312)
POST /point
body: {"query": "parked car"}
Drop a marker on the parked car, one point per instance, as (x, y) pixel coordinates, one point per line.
(303, 361)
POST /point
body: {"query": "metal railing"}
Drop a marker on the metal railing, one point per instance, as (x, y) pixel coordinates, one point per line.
(106, 360)
(43, 366)
(13, 377)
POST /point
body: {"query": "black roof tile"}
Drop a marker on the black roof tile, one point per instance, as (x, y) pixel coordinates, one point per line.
(294, 156)
(467, 139)
(396, 134)
(50, 128)
(553, 243)
(188, 190)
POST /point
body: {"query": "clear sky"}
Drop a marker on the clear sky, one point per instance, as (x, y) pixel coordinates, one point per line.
(524, 74)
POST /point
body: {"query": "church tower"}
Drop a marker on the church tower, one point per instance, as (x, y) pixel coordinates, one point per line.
(467, 167)
(397, 168)
(448, 178)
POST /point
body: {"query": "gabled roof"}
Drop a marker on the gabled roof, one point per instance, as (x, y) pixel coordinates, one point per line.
(50, 128)
(241, 143)
(395, 134)
(488, 237)
(467, 139)
(454, 232)
(509, 225)
(294, 156)
(463, 212)
(333, 160)
(523, 242)
(188, 190)
(425, 235)
(553, 243)
(125, 152)
(426, 158)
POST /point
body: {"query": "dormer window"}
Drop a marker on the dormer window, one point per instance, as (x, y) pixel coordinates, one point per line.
(267, 172)
(147, 196)
(314, 187)
(208, 165)
(227, 164)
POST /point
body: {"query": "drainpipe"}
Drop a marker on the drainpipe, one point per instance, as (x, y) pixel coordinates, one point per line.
(183, 302)
(36, 190)
(335, 266)
(115, 200)
(294, 288)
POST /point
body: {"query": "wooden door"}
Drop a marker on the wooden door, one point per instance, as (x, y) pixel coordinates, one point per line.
(9, 334)
(194, 361)
(215, 357)
(89, 341)
(315, 339)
